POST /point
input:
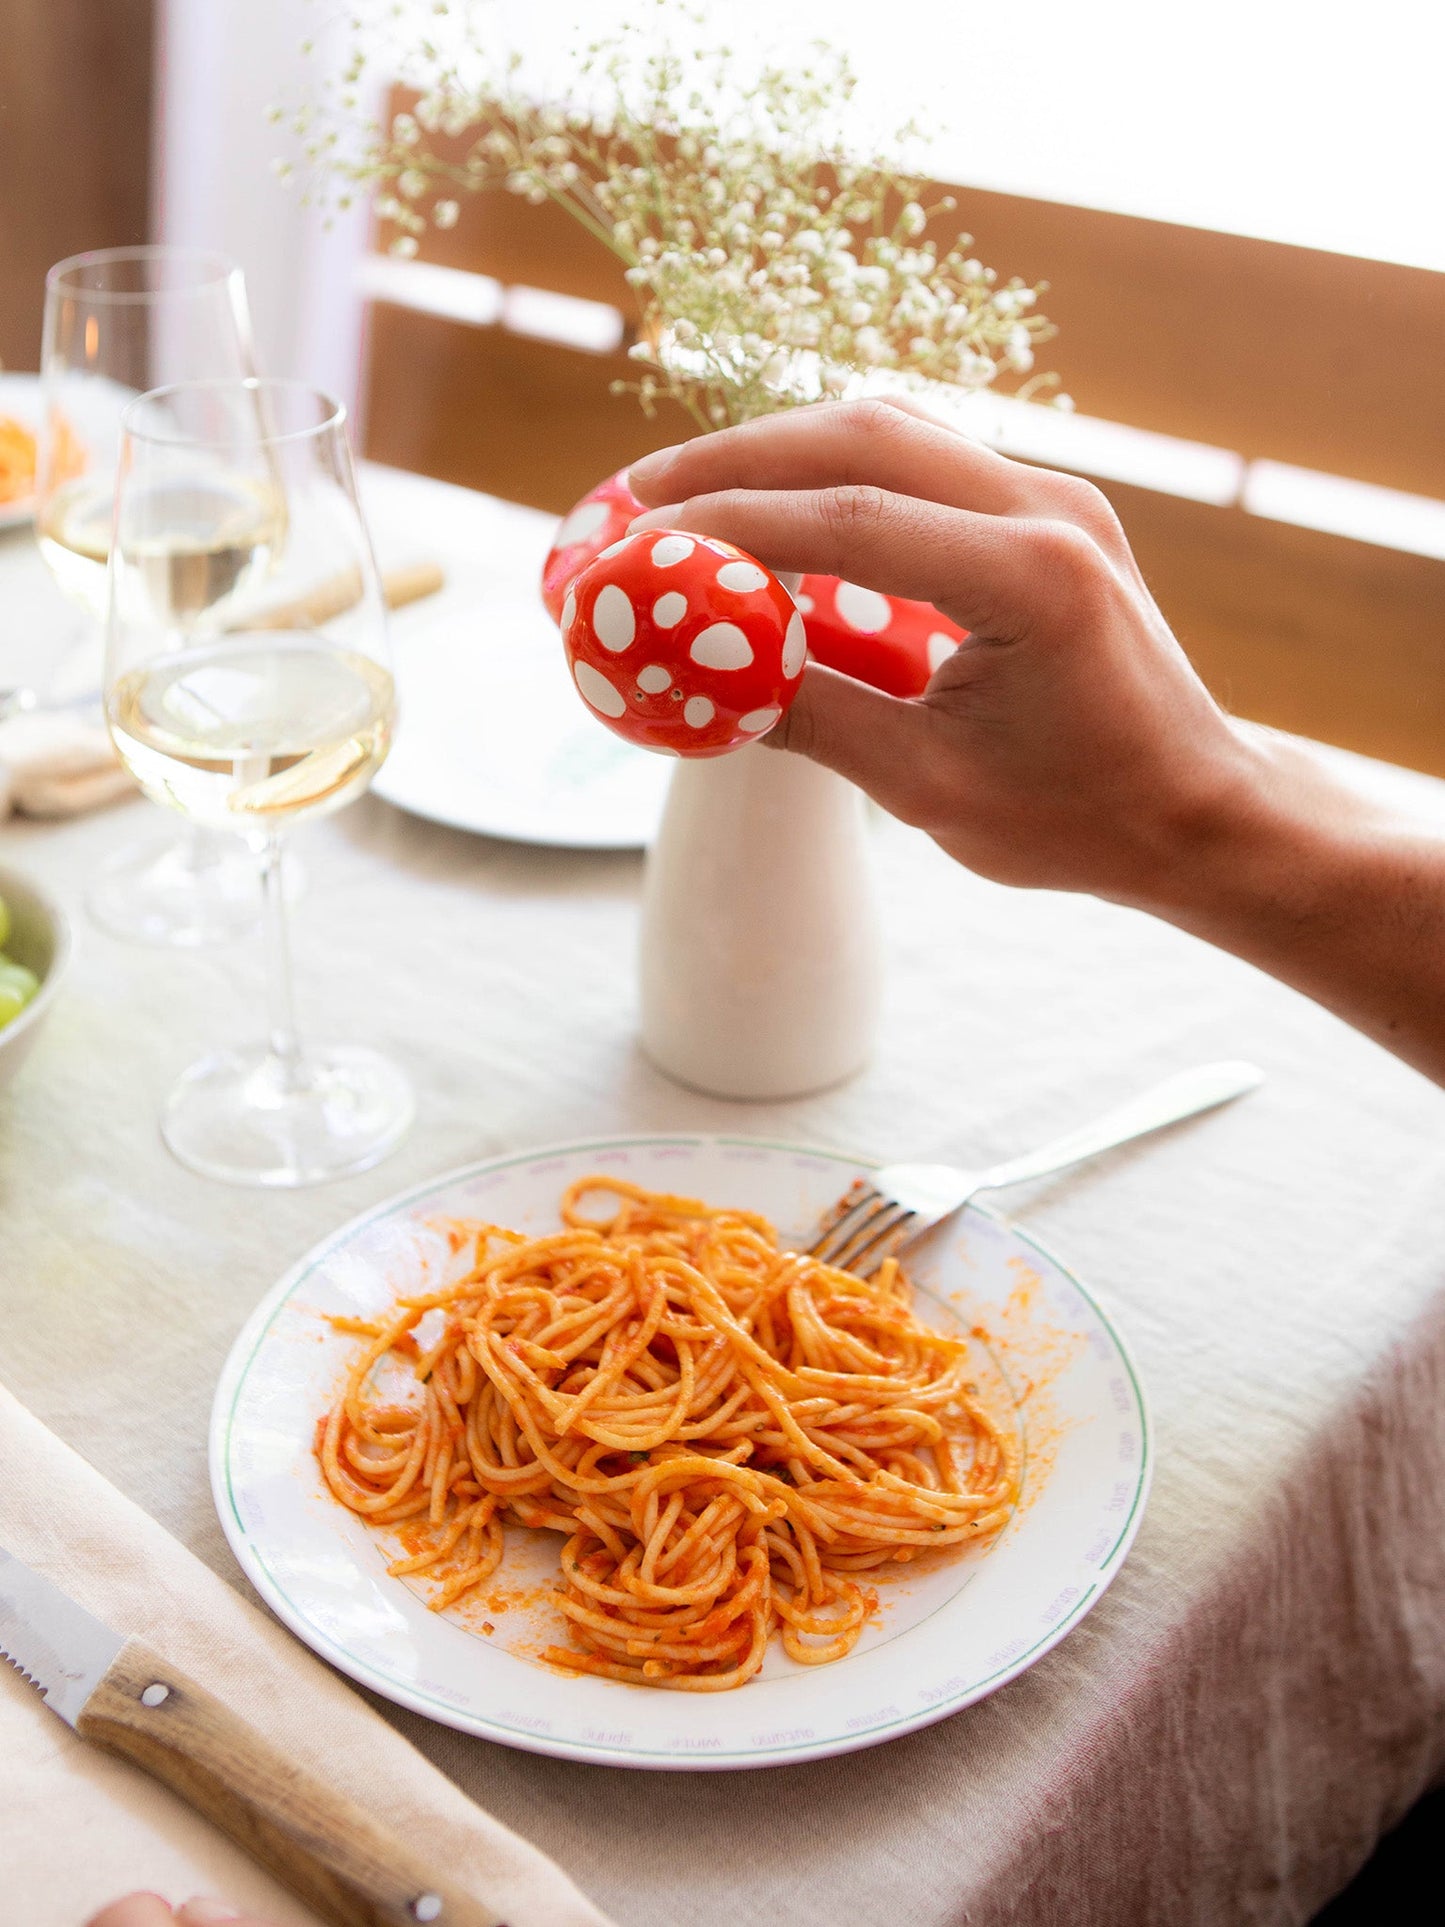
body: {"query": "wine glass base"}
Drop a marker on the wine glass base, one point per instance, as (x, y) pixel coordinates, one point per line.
(247, 1117)
(184, 891)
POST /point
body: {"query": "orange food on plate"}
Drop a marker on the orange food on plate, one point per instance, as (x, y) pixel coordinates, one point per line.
(17, 461)
(729, 1436)
(19, 449)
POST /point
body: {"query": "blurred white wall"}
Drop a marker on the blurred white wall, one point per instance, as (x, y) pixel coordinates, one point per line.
(223, 63)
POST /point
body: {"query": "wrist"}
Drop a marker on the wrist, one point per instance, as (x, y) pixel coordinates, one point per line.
(1223, 837)
(1271, 855)
(1290, 866)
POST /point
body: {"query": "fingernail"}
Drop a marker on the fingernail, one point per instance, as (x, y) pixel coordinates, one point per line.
(201, 1910)
(647, 467)
(655, 518)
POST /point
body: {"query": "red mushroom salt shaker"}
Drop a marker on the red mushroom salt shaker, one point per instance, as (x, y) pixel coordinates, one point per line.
(683, 644)
(889, 641)
(589, 527)
(886, 640)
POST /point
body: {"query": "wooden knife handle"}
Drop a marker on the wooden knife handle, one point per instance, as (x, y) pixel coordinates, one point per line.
(338, 593)
(343, 1863)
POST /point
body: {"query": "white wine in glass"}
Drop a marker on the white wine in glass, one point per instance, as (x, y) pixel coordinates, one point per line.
(72, 532)
(237, 500)
(118, 322)
(256, 730)
(220, 536)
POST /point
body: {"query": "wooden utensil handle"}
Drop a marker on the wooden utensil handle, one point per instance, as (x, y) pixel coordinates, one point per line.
(338, 593)
(411, 584)
(342, 1862)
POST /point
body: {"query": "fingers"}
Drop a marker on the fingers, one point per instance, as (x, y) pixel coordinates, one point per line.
(202, 1911)
(892, 443)
(997, 576)
(881, 743)
(135, 1910)
(149, 1910)
(877, 443)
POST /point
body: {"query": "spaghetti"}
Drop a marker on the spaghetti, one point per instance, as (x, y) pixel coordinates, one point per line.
(727, 1434)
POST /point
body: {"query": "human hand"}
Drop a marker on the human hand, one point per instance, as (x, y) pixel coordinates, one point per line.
(1068, 743)
(149, 1910)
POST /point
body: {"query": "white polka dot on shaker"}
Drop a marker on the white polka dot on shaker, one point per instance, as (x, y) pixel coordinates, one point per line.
(722, 645)
(862, 609)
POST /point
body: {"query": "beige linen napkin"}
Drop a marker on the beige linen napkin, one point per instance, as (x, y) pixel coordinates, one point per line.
(53, 764)
(78, 1828)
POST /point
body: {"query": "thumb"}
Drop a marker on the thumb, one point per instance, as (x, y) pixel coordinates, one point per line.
(877, 741)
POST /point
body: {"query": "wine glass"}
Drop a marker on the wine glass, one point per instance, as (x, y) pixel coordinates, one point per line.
(120, 321)
(247, 686)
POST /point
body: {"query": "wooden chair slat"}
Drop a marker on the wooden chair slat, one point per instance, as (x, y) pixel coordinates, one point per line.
(522, 418)
(1289, 353)
(503, 236)
(1332, 638)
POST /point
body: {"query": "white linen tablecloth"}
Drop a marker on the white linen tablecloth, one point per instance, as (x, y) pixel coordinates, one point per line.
(1262, 1691)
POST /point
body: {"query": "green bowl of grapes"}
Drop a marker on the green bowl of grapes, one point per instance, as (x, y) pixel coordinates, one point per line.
(34, 954)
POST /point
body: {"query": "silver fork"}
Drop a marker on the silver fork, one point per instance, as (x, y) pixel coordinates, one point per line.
(905, 1200)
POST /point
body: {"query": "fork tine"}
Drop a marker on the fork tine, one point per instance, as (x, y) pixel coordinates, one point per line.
(833, 1237)
(867, 1252)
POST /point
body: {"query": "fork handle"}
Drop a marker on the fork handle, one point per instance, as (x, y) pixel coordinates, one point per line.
(1177, 1097)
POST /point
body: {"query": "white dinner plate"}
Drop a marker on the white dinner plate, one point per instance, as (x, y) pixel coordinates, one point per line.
(492, 736)
(940, 1640)
(20, 400)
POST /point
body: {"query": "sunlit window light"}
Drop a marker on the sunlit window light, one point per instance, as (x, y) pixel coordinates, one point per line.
(1338, 506)
(449, 292)
(594, 326)
(476, 299)
(1112, 451)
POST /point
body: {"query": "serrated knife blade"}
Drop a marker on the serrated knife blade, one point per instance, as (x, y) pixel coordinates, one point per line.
(62, 1648)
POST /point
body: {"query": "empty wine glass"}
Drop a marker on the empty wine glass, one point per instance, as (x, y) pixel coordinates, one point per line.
(120, 321)
(247, 686)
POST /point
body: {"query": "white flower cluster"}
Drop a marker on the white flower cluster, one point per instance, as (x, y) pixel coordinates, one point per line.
(770, 266)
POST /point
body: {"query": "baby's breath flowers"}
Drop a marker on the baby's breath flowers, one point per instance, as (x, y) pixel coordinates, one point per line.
(771, 265)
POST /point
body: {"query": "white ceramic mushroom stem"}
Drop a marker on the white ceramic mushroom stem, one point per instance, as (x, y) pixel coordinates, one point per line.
(760, 942)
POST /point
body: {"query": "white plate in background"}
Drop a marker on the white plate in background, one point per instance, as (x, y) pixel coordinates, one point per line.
(493, 737)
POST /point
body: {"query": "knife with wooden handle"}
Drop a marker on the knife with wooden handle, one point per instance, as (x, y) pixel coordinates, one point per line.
(119, 1694)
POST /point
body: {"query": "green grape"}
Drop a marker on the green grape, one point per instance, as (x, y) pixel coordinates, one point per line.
(17, 986)
(4, 923)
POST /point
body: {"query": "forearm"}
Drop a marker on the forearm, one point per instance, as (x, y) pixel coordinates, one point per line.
(1344, 900)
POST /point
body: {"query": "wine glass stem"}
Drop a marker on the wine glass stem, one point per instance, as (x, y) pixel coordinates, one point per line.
(284, 1044)
(200, 847)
